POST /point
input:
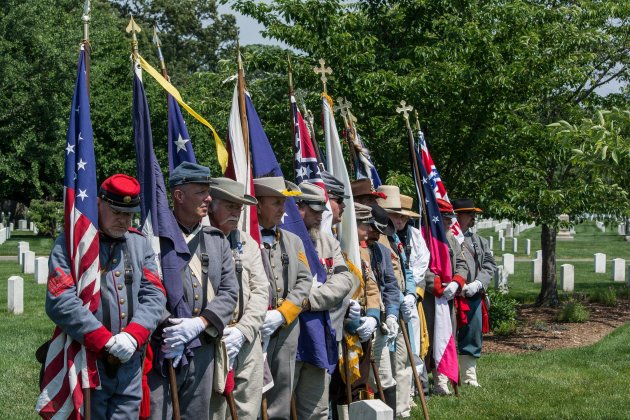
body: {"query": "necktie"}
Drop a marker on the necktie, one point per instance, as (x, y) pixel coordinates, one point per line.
(268, 232)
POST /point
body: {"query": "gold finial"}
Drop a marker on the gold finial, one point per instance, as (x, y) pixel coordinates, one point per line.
(323, 71)
(134, 29)
(404, 109)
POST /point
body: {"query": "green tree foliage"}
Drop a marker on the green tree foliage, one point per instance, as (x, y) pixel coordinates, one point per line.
(488, 78)
(47, 216)
(39, 43)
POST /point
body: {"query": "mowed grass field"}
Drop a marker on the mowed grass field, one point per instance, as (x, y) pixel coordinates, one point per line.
(589, 383)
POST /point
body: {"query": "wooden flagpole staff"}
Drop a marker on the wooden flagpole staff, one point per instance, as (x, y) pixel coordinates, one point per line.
(404, 109)
(85, 18)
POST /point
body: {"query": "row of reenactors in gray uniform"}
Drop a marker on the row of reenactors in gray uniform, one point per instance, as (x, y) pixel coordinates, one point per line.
(245, 298)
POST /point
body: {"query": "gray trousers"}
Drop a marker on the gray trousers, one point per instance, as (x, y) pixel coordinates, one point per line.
(281, 353)
(311, 385)
(119, 397)
(194, 383)
(248, 382)
(394, 370)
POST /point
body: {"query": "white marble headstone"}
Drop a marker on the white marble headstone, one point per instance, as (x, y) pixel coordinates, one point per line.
(619, 269)
(508, 263)
(600, 262)
(28, 266)
(537, 270)
(41, 270)
(16, 295)
(567, 277)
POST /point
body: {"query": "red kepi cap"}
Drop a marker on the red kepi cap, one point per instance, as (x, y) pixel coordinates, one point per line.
(121, 192)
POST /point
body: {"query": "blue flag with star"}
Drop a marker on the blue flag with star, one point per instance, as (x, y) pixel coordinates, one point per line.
(157, 220)
(179, 145)
(317, 343)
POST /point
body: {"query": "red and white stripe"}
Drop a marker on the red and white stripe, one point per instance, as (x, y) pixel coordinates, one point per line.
(69, 366)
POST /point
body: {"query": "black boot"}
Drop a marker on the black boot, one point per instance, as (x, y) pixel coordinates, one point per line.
(390, 398)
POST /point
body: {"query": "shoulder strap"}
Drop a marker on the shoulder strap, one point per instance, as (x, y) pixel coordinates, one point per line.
(235, 238)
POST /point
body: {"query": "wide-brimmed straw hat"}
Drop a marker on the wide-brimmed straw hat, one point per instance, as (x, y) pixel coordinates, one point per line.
(395, 202)
(275, 186)
(229, 190)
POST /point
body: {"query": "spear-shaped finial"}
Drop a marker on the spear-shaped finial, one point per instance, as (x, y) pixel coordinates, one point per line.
(323, 71)
(86, 21)
(134, 29)
(158, 46)
(415, 112)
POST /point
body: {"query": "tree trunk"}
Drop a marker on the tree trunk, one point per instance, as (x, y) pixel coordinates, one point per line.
(548, 292)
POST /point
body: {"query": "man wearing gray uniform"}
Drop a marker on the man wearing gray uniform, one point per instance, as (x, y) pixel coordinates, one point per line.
(210, 290)
(132, 298)
(311, 382)
(290, 283)
(481, 268)
(241, 337)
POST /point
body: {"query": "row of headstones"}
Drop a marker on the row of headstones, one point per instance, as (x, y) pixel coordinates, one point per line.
(31, 265)
(528, 244)
(5, 232)
(567, 271)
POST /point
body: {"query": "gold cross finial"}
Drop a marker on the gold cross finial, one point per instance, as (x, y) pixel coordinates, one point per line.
(323, 70)
(343, 106)
(404, 109)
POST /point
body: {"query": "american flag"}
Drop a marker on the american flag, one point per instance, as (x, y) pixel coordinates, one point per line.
(69, 366)
(433, 176)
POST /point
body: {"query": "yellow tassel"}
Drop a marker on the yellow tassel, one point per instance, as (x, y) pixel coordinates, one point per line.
(222, 155)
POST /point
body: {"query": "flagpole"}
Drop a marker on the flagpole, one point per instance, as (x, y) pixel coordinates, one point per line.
(242, 113)
(158, 46)
(85, 18)
(404, 109)
(291, 93)
(85, 42)
(343, 106)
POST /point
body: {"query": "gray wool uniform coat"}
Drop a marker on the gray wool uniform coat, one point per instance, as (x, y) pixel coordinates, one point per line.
(481, 267)
(290, 283)
(131, 303)
(311, 382)
(194, 381)
(248, 367)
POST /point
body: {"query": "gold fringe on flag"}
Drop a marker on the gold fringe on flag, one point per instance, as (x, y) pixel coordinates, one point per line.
(355, 352)
(222, 155)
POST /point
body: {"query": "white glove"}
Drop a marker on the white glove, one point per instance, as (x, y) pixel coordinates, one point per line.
(354, 309)
(392, 325)
(173, 352)
(407, 306)
(273, 320)
(124, 347)
(233, 339)
(471, 289)
(367, 328)
(110, 343)
(450, 290)
(183, 330)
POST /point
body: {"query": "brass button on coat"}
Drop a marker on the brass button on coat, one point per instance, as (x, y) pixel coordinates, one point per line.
(120, 286)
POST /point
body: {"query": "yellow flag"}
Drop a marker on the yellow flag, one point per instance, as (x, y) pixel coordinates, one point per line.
(222, 155)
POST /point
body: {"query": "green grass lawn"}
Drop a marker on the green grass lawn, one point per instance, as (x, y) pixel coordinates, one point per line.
(583, 383)
(40, 245)
(588, 241)
(589, 382)
(20, 335)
